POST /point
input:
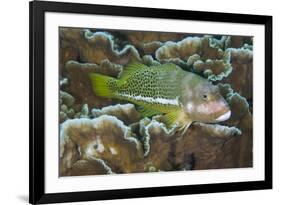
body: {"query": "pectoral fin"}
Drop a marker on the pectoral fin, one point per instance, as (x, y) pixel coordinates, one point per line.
(170, 119)
(183, 120)
(185, 126)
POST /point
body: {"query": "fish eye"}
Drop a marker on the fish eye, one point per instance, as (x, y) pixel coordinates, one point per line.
(205, 96)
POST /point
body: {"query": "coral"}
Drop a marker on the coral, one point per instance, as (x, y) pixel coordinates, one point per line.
(149, 42)
(87, 167)
(205, 55)
(94, 47)
(66, 99)
(238, 41)
(147, 127)
(218, 130)
(236, 102)
(70, 110)
(106, 136)
(241, 77)
(198, 145)
(63, 82)
(208, 148)
(148, 60)
(157, 139)
(66, 103)
(126, 113)
(179, 50)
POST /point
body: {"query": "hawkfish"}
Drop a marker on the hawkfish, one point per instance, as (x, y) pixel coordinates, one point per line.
(179, 97)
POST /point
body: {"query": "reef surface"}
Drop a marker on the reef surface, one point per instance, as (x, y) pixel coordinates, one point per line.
(106, 136)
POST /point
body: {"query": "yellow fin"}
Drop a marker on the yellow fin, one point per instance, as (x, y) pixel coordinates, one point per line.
(170, 118)
(130, 69)
(147, 112)
(103, 85)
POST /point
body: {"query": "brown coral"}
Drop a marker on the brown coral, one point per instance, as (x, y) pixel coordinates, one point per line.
(201, 54)
(241, 77)
(88, 167)
(149, 42)
(182, 49)
(126, 113)
(94, 47)
(105, 138)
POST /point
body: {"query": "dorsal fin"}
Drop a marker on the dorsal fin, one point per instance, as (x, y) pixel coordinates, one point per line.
(130, 69)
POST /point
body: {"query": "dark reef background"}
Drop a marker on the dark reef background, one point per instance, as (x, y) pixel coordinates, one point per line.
(104, 136)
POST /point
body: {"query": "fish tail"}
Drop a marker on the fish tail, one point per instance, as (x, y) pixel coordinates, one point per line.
(102, 85)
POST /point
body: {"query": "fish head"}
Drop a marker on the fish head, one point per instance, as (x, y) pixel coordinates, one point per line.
(204, 103)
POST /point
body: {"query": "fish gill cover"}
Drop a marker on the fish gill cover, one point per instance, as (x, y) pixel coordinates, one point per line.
(106, 135)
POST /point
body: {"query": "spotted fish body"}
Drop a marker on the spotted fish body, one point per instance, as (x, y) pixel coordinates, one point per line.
(164, 89)
(157, 87)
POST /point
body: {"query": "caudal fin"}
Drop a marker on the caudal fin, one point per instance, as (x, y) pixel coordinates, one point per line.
(102, 85)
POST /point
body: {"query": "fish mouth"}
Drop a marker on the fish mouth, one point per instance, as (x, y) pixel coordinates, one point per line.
(224, 117)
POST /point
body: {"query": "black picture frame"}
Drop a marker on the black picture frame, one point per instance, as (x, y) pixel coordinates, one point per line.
(37, 11)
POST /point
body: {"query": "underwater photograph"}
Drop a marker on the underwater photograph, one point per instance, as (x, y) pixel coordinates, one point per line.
(145, 101)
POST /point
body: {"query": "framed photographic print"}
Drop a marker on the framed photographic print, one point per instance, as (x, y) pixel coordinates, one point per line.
(140, 102)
